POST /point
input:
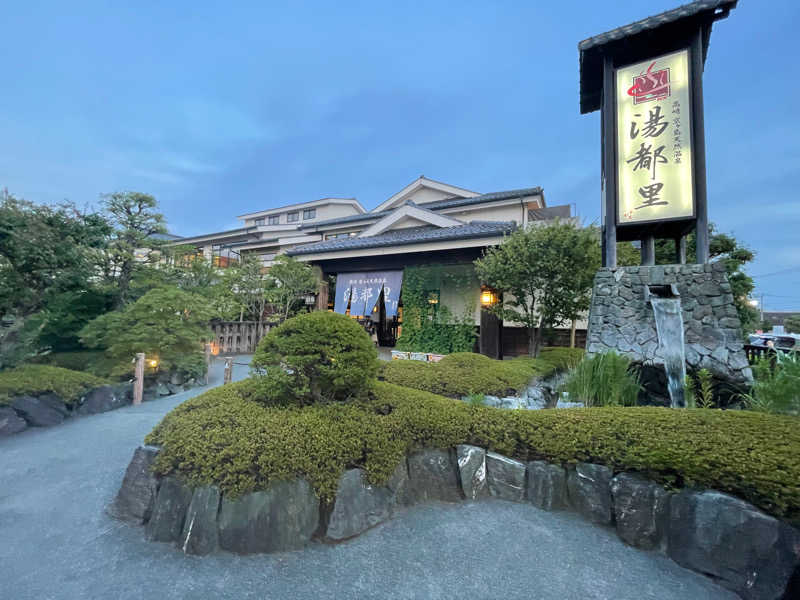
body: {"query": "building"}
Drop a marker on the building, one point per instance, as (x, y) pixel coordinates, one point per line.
(361, 256)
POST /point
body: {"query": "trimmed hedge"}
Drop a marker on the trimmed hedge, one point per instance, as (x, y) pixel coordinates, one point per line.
(466, 373)
(240, 445)
(41, 379)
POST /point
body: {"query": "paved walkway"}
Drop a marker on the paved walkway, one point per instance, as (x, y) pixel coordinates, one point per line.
(56, 542)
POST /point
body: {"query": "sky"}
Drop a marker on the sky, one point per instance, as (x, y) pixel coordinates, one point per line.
(219, 109)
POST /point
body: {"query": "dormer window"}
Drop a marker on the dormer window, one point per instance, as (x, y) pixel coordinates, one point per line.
(259, 221)
(274, 219)
(292, 217)
(309, 213)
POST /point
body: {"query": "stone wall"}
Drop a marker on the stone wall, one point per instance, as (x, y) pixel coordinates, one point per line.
(715, 534)
(622, 321)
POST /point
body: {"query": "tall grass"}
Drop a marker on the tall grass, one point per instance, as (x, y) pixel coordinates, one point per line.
(776, 389)
(603, 380)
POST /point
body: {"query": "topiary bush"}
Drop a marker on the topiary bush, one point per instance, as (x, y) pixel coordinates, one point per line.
(315, 357)
(35, 380)
(225, 439)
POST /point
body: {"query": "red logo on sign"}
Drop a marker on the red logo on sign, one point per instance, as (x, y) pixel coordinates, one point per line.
(652, 85)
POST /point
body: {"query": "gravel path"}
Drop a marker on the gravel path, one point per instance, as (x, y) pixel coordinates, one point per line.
(56, 541)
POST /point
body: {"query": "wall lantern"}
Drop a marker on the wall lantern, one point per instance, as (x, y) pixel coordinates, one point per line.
(488, 297)
(153, 362)
(433, 297)
(309, 299)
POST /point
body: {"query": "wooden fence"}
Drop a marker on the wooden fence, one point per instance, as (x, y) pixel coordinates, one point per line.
(237, 337)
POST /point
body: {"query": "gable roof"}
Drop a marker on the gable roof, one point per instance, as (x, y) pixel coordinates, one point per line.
(411, 235)
(411, 211)
(289, 207)
(423, 182)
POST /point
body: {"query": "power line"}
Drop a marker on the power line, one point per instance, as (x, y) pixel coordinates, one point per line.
(781, 272)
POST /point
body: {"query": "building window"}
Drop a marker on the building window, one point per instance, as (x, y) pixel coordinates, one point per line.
(292, 217)
(333, 236)
(309, 213)
(259, 221)
(274, 219)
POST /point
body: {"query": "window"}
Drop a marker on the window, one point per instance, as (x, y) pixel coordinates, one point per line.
(259, 221)
(274, 219)
(309, 213)
(292, 217)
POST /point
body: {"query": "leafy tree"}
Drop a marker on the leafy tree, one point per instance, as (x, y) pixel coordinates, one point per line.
(132, 246)
(546, 273)
(792, 324)
(766, 325)
(291, 279)
(166, 323)
(245, 288)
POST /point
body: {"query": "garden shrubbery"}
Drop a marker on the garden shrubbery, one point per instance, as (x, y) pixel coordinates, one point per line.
(606, 379)
(225, 439)
(40, 379)
(315, 357)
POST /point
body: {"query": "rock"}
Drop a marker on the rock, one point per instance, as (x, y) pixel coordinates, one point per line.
(36, 412)
(10, 422)
(137, 494)
(176, 378)
(505, 477)
(358, 506)
(732, 541)
(174, 388)
(433, 475)
(641, 510)
(102, 399)
(589, 491)
(547, 485)
(472, 471)
(200, 535)
(149, 393)
(282, 517)
(567, 404)
(169, 510)
(55, 402)
(492, 401)
(162, 389)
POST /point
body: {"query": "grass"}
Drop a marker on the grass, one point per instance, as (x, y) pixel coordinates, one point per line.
(467, 374)
(242, 445)
(603, 380)
(35, 380)
(776, 388)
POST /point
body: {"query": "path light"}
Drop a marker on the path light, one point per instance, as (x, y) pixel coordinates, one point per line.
(488, 297)
(153, 362)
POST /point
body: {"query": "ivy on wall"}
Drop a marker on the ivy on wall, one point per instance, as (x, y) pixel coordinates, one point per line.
(433, 326)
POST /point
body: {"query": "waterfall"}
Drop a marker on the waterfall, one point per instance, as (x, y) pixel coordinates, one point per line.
(669, 326)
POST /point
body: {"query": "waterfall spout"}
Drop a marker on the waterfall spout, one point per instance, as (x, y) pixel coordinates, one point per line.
(669, 326)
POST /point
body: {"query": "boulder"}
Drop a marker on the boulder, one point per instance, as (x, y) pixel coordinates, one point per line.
(169, 510)
(176, 378)
(547, 485)
(282, 517)
(472, 471)
(732, 541)
(55, 402)
(200, 535)
(505, 477)
(174, 388)
(103, 399)
(37, 412)
(135, 499)
(10, 422)
(359, 506)
(589, 491)
(433, 475)
(162, 389)
(641, 510)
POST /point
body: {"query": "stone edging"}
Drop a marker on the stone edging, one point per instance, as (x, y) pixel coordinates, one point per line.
(715, 534)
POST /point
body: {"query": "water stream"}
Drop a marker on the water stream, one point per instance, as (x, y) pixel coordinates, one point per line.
(669, 326)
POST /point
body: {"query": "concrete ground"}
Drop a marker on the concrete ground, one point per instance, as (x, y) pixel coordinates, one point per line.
(56, 542)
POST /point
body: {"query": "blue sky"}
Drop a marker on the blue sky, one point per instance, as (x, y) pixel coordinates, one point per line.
(221, 109)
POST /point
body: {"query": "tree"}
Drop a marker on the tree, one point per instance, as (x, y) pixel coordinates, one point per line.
(132, 245)
(792, 324)
(545, 273)
(245, 286)
(291, 279)
(166, 323)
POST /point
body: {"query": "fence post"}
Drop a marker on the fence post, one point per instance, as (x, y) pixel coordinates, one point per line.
(208, 360)
(138, 383)
(227, 377)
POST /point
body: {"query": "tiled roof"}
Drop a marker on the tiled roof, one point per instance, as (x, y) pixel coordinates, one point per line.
(670, 23)
(411, 235)
(438, 204)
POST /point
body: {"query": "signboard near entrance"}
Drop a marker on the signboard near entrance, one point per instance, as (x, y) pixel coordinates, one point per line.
(654, 141)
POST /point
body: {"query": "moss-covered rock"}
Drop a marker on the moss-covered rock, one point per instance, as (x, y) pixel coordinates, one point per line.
(35, 380)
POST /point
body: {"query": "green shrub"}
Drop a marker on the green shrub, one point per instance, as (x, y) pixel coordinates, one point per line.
(40, 379)
(241, 445)
(315, 357)
(562, 358)
(603, 380)
(776, 388)
(94, 362)
(466, 373)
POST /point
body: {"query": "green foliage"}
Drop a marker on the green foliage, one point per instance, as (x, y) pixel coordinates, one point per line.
(67, 313)
(688, 392)
(603, 380)
(437, 327)
(40, 379)
(766, 325)
(291, 279)
(166, 323)
(546, 273)
(777, 387)
(705, 391)
(315, 357)
(791, 324)
(90, 361)
(466, 374)
(241, 445)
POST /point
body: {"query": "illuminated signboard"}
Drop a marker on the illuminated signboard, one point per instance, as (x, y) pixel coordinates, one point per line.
(654, 141)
